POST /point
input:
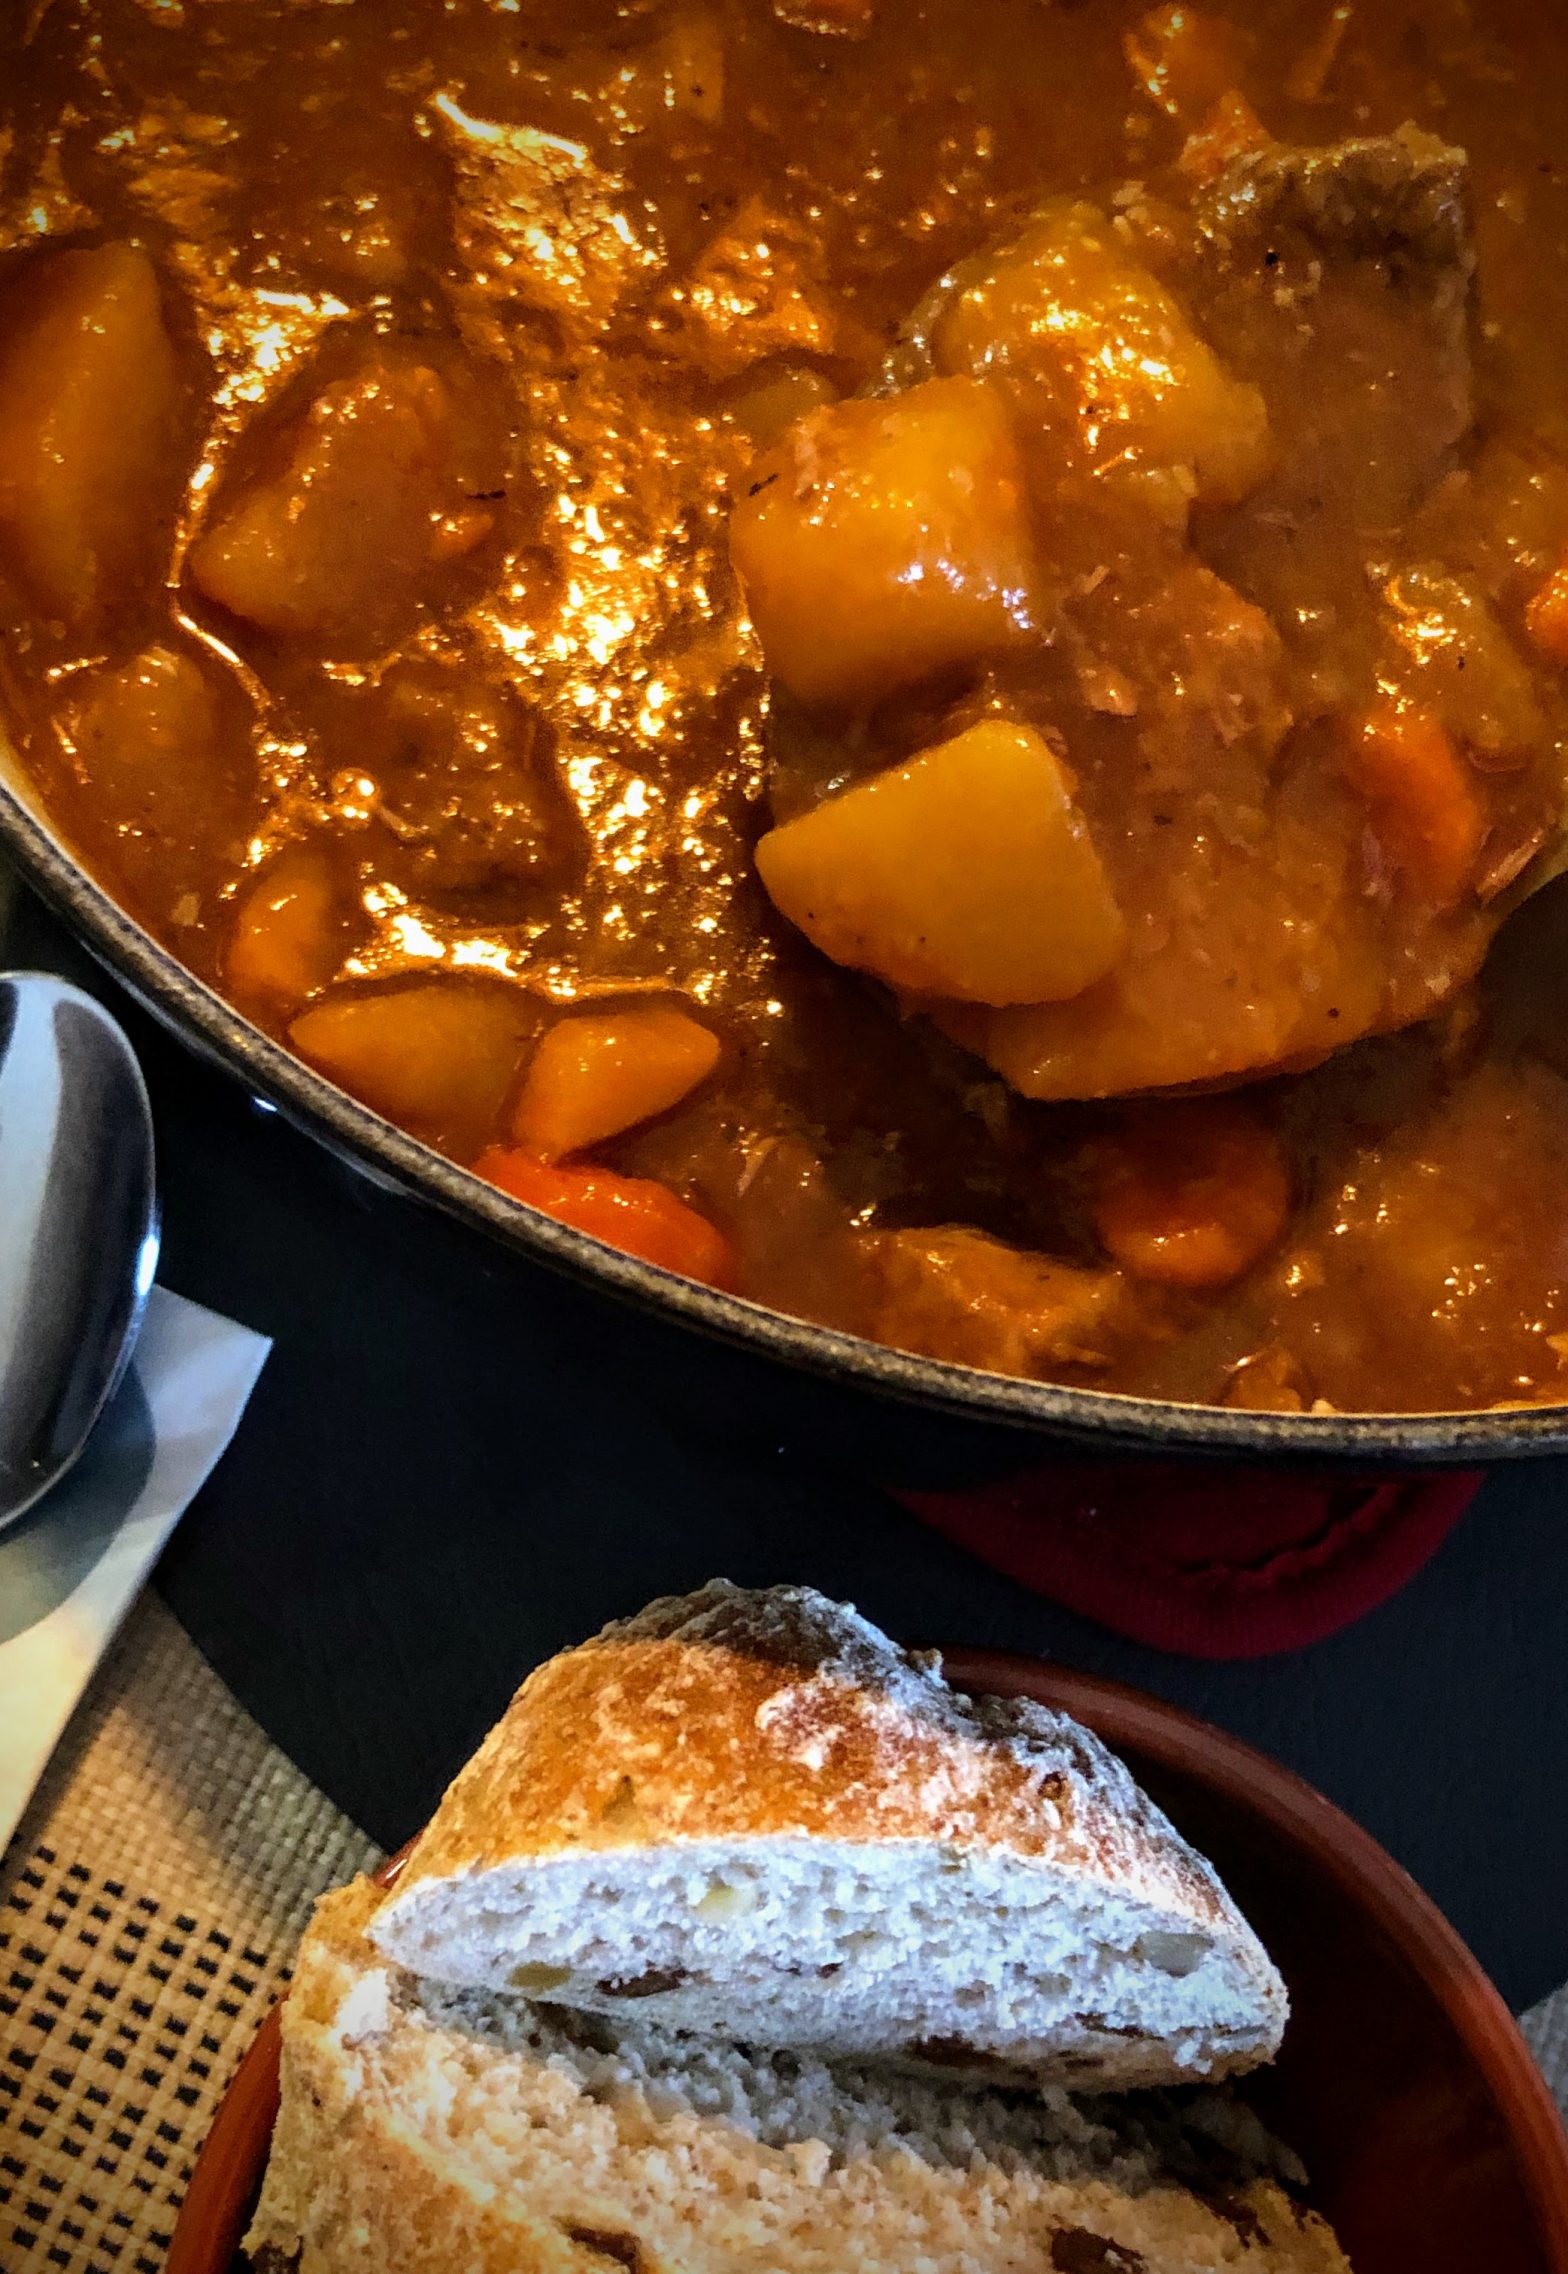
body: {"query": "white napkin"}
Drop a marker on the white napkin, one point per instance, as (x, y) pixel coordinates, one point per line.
(70, 1570)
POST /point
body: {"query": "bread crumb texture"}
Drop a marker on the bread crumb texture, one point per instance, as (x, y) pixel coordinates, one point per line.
(752, 1811)
(432, 2130)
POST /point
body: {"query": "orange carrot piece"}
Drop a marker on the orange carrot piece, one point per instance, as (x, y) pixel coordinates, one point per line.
(598, 1073)
(635, 1214)
(1424, 808)
(1191, 1194)
(1546, 618)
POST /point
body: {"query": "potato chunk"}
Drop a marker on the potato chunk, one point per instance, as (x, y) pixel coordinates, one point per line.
(358, 523)
(1064, 307)
(152, 745)
(89, 403)
(884, 541)
(598, 1073)
(967, 873)
(287, 938)
(436, 1055)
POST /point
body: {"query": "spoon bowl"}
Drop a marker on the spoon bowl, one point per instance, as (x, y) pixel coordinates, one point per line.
(78, 1226)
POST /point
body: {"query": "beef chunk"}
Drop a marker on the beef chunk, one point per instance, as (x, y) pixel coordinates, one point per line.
(1340, 281)
(1389, 216)
(1397, 197)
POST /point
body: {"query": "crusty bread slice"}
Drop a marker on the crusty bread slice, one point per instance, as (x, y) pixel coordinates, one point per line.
(753, 1816)
(427, 2130)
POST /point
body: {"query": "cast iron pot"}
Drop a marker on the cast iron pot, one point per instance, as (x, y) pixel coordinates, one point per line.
(770, 1377)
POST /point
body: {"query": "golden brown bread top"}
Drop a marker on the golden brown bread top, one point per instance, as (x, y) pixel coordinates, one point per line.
(740, 1715)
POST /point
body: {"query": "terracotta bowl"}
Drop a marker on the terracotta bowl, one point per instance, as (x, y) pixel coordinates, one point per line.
(1428, 2131)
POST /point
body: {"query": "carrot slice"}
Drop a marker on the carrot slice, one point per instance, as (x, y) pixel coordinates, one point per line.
(1191, 1194)
(635, 1214)
(1424, 807)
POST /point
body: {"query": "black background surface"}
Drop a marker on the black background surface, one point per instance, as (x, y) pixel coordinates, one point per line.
(442, 1478)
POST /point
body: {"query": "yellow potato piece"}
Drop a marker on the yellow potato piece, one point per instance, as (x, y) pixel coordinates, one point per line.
(358, 523)
(437, 1055)
(968, 873)
(599, 1073)
(153, 744)
(884, 541)
(286, 940)
(1066, 306)
(89, 403)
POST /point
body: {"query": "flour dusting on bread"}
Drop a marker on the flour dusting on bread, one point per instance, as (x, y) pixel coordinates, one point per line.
(749, 1813)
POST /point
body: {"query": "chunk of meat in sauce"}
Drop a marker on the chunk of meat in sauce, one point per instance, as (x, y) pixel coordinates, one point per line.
(375, 490)
(1401, 199)
(1366, 246)
(90, 398)
(537, 215)
(467, 800)
(756, 290)
(955, 1293)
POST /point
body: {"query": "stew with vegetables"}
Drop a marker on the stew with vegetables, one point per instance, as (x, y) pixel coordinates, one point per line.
(910, 656)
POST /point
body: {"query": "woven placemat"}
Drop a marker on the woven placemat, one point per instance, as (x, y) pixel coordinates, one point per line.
(149, 1905)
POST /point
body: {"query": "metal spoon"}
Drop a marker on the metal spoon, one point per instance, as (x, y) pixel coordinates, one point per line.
(78, 1225)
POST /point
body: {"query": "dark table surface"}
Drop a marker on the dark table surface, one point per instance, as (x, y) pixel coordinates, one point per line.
(438, 1484)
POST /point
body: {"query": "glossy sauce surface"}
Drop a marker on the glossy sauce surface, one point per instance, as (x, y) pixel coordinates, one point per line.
(376, 638)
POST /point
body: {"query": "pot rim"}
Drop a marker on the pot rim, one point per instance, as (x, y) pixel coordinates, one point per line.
(1094, 1420)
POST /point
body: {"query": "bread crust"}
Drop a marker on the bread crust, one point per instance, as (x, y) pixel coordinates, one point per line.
(742, 1715)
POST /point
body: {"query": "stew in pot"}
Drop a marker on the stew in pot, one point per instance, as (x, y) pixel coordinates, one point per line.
(908, 656)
